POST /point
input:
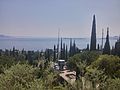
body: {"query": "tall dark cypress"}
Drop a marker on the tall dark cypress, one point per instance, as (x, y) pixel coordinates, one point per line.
(54, 56)
(63, 53)
(13, 52)
(74, 48)
(23, 51)
(87, 47)
(58, 51)
(61, 50)
(48, 52)
(106, 49)
(117, 47)
(70, 50)
(66, 53)
(98, 47)
(1, 52)
(93, 35)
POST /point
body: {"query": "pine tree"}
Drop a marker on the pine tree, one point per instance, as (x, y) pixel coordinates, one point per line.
(106, 49)
(93, 35)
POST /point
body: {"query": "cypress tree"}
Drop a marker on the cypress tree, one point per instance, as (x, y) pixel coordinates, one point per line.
(113, 51)
(23, 51)
(48, 52)
(63, 53)
(70, 50)
(98, 47)
(106, 49)
(6, 52)
(87, 47)
(57, 51)
(0, 52)
(117, 47)
(13, 52)
(74, 48)
(54, 56)
(93, 35)
(61, 50)
(10, 52)
(66, 53)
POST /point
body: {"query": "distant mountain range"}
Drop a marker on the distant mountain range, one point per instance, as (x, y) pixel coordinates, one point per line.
(12, 37)
(5, 37)
(115, 37)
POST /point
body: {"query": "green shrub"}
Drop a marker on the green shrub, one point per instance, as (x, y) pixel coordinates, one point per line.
(110, 64)
(16, 77)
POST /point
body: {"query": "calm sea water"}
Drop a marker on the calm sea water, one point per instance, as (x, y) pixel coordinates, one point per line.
(43, 43)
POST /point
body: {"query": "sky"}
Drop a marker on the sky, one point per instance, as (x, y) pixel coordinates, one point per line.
(43, 18)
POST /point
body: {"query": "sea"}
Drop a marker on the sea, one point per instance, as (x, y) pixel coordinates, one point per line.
(45, 43)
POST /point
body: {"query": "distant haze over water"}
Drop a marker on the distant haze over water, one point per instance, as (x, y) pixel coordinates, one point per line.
(43, 43)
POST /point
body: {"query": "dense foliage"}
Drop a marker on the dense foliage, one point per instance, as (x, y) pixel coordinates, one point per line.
(93, 71)
(109, 64)
(96, 71)
(6, 62)
(17, 77)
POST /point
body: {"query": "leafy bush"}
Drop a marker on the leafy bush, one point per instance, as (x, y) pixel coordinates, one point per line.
(6, 62)
(26, 77)
(110, 64)
(89, 56)
(112, 84)
(17, 77)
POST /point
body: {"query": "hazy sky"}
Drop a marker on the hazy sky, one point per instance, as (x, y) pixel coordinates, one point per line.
(42, 18)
